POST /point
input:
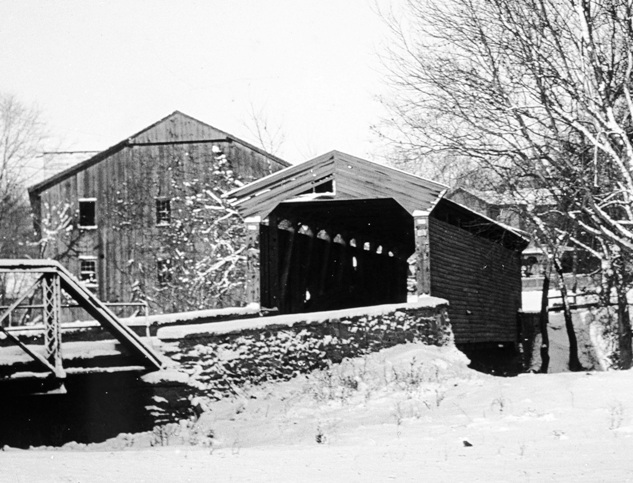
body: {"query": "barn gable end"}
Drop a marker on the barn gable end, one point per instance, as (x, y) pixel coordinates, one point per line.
(178, 127)
(148, 198)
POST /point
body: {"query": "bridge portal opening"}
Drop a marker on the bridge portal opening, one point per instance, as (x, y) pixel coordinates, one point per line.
(333, 254)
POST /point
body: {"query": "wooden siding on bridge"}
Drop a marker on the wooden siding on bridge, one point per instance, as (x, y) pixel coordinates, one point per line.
(481, 280)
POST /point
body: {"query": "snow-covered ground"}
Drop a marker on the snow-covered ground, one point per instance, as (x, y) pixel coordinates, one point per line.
(409, 413)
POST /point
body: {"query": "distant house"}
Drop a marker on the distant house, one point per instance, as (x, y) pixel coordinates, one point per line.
(503, 207)
(143, 220)
(339, 231)
(510, 210)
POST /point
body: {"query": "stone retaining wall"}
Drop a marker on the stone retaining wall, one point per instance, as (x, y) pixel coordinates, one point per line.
(217, 359)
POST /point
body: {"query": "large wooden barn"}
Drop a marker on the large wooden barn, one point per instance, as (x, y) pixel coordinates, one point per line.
(339, 231)
(139, 220)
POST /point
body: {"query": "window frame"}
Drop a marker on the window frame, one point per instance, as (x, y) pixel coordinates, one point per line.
(91, 282)
(163, 216)
(81, 218)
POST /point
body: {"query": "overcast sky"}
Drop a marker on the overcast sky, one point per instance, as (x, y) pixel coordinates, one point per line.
(103, 70)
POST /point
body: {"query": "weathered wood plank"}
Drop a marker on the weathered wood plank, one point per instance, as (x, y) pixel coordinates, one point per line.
(263, 202)
(285, 270)
(481, 280)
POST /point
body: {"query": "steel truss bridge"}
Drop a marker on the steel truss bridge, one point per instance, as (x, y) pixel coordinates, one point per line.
(51, 278)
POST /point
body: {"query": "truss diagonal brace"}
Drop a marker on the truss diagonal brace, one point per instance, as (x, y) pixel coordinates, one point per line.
(38, 358)
(15, 304)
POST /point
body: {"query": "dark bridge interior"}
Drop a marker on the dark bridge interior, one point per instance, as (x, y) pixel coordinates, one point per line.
(333, 254)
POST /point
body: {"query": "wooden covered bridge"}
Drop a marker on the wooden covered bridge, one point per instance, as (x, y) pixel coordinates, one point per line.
(339, 231)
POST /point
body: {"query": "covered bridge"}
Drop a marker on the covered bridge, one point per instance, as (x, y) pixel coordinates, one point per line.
(339, 231)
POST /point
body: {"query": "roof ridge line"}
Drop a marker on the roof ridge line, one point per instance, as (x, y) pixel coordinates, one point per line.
(130, 140)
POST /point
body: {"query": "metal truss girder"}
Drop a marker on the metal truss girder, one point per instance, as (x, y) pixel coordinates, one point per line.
(55, 279)
(51, 299)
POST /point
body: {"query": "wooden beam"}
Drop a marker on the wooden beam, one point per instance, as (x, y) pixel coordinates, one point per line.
(340, 273)
(324, 267)
(273, 262)
(253, 260)
(285, 271)
(423, 262)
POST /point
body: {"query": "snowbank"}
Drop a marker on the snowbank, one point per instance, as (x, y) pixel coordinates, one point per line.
(378, 422)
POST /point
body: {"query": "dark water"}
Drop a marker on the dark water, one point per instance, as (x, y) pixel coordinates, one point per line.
(494, 359)
(95, 408)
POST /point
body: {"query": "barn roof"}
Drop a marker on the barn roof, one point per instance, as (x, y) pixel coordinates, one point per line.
(173, 129)
(351, 178)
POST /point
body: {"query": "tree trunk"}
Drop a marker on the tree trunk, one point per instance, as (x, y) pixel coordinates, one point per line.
(624, 332)
(574, 362)
(543, 319)
(624, 321)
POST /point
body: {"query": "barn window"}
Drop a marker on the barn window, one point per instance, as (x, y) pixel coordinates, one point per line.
(88, 272)
(163, 211)
(87, 212)
(164, 272)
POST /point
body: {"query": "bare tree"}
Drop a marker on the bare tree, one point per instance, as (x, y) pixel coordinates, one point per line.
(22, 133)
(197, 258)
(538, 93)
(269, 135)
(21, 136)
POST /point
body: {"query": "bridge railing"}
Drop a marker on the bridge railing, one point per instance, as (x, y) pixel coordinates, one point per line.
(35, 323)
(53, 279)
